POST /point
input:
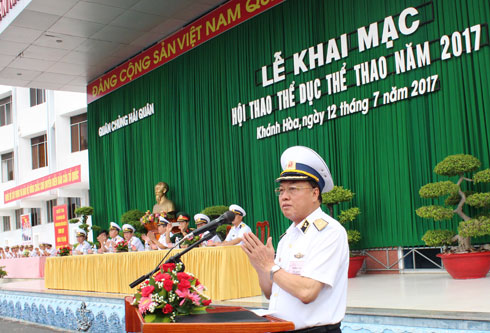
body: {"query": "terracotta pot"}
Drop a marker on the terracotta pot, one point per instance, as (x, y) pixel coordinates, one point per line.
(355, 264)
(466, 265)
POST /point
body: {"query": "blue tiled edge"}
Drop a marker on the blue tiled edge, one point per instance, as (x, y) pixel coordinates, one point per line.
(105, 315)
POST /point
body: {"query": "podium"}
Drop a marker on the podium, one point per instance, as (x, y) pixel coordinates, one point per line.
(224, 319)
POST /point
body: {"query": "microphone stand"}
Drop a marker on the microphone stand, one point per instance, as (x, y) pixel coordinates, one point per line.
(173, 259)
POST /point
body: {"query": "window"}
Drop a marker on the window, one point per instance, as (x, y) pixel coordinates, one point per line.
(73, 203)
(38, 96)
(18, 220)
(6, 111)
(421, 258)
(39, 152)
(79, 139)
(6, 223)
(35, 216)
(49, 210)
(7, 167)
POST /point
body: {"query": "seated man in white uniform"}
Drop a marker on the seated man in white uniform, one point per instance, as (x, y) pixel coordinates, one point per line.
(201, 220)
(51, 250)
(161, 242)
(114, 237)
(134, 243)
(83, 246)
(238, 229)
(306, 279)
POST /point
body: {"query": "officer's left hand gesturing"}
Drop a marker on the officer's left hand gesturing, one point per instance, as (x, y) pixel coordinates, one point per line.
(261, 256)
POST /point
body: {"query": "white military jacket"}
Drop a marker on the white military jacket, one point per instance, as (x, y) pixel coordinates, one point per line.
(316, 248)
(237, 232)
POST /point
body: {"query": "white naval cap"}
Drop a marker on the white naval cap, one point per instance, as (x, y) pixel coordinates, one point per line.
(128, 228)
(303, 163)
(80, 232)
(201, 218)
(114, 225)
(162, 220)
(237, 210)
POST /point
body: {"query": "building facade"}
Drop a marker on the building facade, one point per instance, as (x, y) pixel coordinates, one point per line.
(43, 132)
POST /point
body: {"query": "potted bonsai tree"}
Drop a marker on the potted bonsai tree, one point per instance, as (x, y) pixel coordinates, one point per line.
(462, 261)
(337, 195)
(83, 213)
(214, 212)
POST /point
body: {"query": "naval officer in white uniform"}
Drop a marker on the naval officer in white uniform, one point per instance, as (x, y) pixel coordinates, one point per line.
(306, 281)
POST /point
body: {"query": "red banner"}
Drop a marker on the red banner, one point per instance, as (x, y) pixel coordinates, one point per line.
(210, 25)
(60, 216)
(46, 183)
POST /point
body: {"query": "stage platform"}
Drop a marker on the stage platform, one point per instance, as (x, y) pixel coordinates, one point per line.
(413, 302)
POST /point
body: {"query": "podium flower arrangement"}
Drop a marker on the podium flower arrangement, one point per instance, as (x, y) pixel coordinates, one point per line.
(149, 218)
(122, 246)
(170, 293)
(64, 251)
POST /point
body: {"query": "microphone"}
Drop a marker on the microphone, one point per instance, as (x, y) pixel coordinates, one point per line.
(227, 216)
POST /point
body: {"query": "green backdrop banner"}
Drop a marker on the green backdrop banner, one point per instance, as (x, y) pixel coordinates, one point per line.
(383, 91)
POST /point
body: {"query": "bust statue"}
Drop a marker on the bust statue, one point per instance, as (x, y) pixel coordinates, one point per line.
(163, 204)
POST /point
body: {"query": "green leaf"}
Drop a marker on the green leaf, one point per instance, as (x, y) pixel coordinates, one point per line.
(482, 176)
(163, 293)
(157, 318)
(336, 195)
(438, 237)
(348, 215)
(455, 165)
(479, 200)
(434, 190)
(437, 213)
(199, 309)
(475, 227)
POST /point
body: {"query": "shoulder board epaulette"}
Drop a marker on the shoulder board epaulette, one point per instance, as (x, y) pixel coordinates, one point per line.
(320, 224)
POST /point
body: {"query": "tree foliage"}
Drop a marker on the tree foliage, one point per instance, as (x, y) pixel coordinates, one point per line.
(214, 211)
(455, 198)
(133, 217)
(437, 213)
(83, 213)
(475, 227)
(482, 176)
(353, 236)
(349, 215)
(435, 190)
(438, 237)
(337, 195)
(479, 200)
(456, 165)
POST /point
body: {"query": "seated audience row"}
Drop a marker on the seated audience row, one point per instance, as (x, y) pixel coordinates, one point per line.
(24, 251)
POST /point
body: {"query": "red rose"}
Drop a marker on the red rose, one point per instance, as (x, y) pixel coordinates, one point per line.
(146, 291)
(206, 302)
(167, 267)
(197, 282)
(184, 285)
(168, 284)
(168, 308)
(167, 276)
(159, 277)
(183, 276)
